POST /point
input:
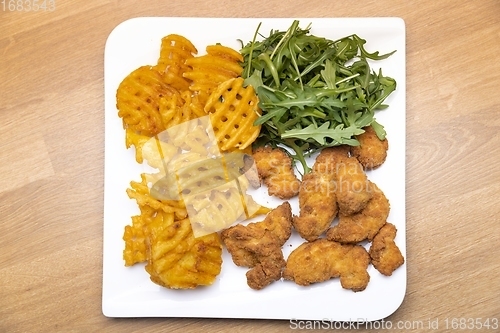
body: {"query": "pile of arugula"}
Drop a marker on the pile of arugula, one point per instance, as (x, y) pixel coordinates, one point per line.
(314, 92)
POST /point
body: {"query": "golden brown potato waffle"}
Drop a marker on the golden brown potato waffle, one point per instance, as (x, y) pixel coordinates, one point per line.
(135, 241)
(135, 235)
(177, 259)
(138, 100)
(151, 109)
(174, 52)
(136, 140)
(233, 110)
(177, 109)
(220, 64)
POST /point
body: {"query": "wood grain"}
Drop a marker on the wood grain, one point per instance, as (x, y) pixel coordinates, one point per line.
(51, 160)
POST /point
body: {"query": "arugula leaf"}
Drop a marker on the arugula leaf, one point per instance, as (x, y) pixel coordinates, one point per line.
(320, 134)
(314, 92)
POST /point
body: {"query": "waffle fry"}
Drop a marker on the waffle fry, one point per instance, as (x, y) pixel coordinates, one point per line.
(233, 109)
(135, 235)
(173, 111)
(177, 259)
(136, 140)
(220, 64)
(191, 101)
(156, 152)
(135, 241)
(214, 210)
(140, 192)
(192, 136)
(138, 100)
(174, 52)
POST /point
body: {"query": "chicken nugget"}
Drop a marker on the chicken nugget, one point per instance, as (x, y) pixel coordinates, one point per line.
(317, 205)
(385, 254)
(258, 245)
(326, 161)
(351, 183)
(321, 260)
(352, 186)
(274, 166)
(365, 224)
(371, 152)
(267, 271)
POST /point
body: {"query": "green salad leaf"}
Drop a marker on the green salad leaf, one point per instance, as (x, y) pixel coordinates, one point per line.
(314, 92)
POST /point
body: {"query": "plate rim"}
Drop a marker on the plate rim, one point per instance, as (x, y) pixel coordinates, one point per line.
(110, 311)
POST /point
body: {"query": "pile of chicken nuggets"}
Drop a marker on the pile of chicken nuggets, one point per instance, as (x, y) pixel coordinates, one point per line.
(342, 219)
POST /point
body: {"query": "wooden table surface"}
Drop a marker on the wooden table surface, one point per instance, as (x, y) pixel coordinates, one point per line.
(52, 160)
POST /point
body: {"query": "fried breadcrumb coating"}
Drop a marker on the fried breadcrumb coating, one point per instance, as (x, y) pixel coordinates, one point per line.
(351, 190)
(365, 224)
(385, 254)
(351, 182)
(321, 260)
(317, 204)
(258, 245)
(275, 169)
(371, 152)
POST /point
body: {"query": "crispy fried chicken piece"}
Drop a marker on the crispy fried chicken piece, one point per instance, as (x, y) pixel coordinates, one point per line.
(326, 161)
(322, 260)
(267, 271)
(351, 183)
(352, 189)
(364, 224)
(317, 204)
(258, 245)
(372, 151)
(274, 166)
(385, 254)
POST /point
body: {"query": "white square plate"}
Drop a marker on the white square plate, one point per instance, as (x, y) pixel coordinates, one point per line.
(128, 291)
